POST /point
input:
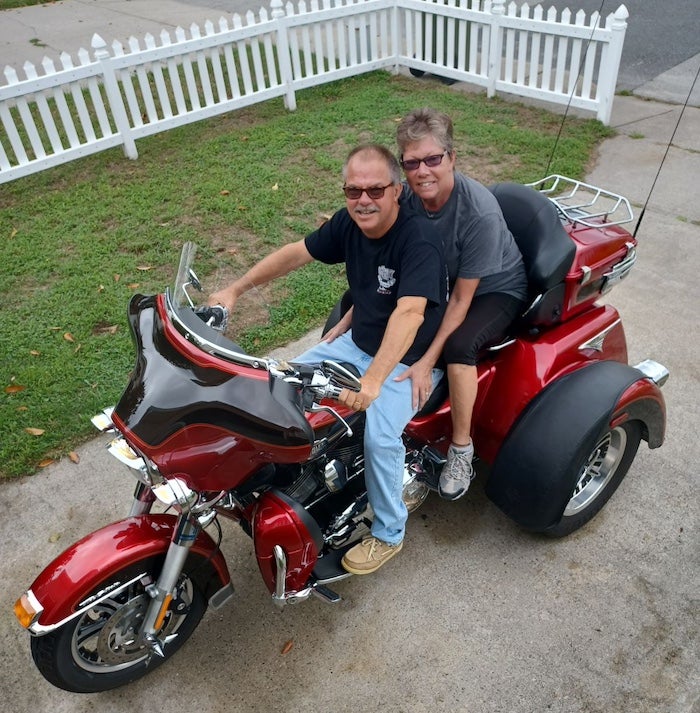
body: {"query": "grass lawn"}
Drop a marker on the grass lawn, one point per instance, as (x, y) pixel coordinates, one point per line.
(9, 4)
(80, 239)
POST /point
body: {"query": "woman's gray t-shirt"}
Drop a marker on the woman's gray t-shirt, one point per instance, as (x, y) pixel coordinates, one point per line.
(476, 239)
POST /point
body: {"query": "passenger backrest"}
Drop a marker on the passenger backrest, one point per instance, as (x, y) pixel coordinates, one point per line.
(546, 247)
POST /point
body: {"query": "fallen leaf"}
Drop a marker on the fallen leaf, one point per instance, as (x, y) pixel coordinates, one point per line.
(225, 193)
(23, 408)
(101, 288)
(34, 431)
(145, 268)
(45, 462)
(275, 187)
(13, 233)
(75, 458)
(77, 349)
(68, 337)
(287, 647)
(108, 329)
(34, 352)
(117, 278)
(55, 537)
(54, 329)
(14, 388)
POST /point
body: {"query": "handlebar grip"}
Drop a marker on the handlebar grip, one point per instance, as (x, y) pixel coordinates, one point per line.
(215, 317)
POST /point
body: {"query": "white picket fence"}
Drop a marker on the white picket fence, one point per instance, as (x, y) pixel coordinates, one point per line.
(120, 94)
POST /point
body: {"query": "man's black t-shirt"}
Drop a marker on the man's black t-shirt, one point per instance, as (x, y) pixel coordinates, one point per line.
(402, 263)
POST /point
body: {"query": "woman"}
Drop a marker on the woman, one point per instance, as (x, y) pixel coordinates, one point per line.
(488, 283)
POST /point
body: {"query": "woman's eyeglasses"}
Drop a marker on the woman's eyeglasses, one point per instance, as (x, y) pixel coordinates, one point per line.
(411, 164)
(375, 193)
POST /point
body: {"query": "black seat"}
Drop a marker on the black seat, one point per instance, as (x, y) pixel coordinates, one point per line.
(546, 247)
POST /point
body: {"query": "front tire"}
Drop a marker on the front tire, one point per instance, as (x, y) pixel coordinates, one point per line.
(99, 650)
(599, 477)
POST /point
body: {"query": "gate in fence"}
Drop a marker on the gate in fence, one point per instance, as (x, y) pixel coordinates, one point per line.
(118, 94)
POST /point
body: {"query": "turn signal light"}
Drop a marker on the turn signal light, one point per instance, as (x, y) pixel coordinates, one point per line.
(24, 611)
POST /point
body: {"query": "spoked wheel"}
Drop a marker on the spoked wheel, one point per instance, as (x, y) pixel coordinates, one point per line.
(101, 649)
(601, 474)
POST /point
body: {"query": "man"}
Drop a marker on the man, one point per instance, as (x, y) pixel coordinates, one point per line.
(398, 287)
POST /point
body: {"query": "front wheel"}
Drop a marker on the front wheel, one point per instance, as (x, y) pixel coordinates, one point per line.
(100, 649)
(599, 477)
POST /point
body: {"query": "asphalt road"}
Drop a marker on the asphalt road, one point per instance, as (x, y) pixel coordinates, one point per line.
(660, 35)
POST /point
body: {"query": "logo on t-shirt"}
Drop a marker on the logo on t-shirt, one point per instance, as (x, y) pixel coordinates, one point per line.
(386, 279)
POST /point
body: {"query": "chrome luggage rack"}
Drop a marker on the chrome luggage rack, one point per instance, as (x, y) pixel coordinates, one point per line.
(583, 203)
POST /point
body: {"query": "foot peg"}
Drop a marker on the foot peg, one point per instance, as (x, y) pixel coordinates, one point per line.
(327, 595)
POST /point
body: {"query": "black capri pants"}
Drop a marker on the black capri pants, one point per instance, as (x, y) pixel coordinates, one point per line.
(487, 323)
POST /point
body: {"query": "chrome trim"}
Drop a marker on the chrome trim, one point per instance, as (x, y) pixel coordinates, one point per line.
(281, 577)
(331, 580)
(40, 629)
(281, 596)
(658, 373)
(619, 271)
(209, 347)
(501, 345)
(596, 342)
(586, 197)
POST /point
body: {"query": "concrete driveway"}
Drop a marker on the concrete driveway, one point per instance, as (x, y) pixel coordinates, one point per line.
(475, 615)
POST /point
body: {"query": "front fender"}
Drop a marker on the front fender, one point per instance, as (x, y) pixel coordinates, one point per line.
(77, 572)
(538, 465)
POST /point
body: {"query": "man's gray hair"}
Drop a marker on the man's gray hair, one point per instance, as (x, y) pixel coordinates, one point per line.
(380, 151)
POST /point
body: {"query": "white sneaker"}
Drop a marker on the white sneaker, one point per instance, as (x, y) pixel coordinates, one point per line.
(457, 473)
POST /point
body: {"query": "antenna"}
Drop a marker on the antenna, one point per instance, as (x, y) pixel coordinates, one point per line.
(668, 146)
(573, 89)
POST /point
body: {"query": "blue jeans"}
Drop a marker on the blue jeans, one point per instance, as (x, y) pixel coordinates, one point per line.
(385, 453)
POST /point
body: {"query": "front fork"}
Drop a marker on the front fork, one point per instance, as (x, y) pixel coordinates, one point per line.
(143, 500)
(161, 592)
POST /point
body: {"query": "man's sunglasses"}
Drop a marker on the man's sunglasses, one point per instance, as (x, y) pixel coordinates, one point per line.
(411, 164)
(375, 193)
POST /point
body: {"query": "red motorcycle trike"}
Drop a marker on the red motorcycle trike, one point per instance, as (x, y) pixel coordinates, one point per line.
(210, 431)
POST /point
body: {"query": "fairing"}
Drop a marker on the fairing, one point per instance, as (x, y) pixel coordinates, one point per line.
(195, 413)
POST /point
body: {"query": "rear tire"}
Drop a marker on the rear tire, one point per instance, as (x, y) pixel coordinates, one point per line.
(99, 650)
(599, 477)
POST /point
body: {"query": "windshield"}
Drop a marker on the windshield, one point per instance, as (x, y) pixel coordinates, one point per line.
(182, 301)
(183, 279)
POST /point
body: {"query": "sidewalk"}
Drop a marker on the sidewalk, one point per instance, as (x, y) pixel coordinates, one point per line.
(476, 616)
(30, 33)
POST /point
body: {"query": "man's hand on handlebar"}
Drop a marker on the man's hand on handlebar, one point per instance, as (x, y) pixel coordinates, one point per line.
(223, 298)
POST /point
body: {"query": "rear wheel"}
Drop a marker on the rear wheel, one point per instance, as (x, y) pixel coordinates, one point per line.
(599, 477)
(101, 649)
